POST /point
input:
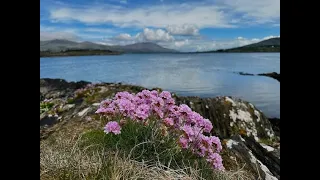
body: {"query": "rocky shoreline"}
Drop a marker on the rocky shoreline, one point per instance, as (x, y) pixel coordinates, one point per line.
(248, 136)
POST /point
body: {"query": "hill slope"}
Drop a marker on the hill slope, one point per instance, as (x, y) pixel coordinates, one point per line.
(269, 45)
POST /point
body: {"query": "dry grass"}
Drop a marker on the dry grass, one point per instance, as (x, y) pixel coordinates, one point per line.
(65, 160)
(62, 157)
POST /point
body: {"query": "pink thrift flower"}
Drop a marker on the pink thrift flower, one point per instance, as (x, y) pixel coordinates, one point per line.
(157, 102)
(105, 103)
(165, 95)
(207, 125)
(216, 160)
(107, 110)
(173, 110)
(142, 112)
(112, 127)
(168, 121)
(169, 101)
(162, 106)
(184, 109)
(154, 93)
(202, 151)
(215, 140)
(183, 142)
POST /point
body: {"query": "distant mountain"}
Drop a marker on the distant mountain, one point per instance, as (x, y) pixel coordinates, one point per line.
(269, 45)
(268, 42)
(63, 45)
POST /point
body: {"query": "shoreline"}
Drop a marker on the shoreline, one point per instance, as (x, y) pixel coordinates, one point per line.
(122, 53)
(139, 87)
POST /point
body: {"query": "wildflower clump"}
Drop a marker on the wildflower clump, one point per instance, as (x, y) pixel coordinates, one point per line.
(188, 127)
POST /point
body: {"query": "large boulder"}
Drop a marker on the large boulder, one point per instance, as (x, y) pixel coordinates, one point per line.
(275, 122)
(55, 88)
(231, 116)
(262, 160)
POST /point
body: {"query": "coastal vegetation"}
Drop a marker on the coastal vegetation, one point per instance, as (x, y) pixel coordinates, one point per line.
(105, 131)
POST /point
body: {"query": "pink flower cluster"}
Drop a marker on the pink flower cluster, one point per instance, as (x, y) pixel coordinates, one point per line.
(113, 127)
(188, 126)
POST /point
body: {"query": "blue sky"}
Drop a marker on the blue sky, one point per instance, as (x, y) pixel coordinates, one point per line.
(185, 25)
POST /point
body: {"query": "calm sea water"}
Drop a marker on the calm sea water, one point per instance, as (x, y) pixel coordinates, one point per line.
(204, 75)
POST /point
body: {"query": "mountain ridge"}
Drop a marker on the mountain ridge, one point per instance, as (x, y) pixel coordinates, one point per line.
(57, 45)
(268, 45)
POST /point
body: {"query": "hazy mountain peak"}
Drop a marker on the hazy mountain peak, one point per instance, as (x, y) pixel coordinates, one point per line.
(143, 47)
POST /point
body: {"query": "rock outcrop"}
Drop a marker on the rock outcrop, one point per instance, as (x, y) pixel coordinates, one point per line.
(275, 122)
(260, 157)
(273, 75)
(231, 116)
(54, 88)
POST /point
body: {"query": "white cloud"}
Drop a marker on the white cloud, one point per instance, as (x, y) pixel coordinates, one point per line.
(214, 14)
(75, 34)
(185, 29)
(179, 44)
(44, 36)
(50, 33)
(240, 38)
(154, 35)
(100, 30)
(158, 16)
(123, 37)
(46, 28)
(255, 11)
(147, 35)
(123, 1)
(268, 37)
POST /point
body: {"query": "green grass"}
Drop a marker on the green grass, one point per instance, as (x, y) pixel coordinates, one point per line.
(139, 152)
(143, 143)
(70, 101)
(45, 106)
(268, 142)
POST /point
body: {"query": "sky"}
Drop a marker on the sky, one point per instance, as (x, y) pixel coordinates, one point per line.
(184, 25)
